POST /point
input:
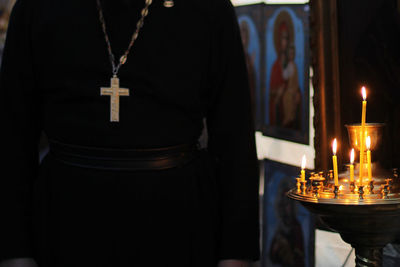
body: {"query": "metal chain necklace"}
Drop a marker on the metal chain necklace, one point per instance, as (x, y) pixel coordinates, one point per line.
(115, 91)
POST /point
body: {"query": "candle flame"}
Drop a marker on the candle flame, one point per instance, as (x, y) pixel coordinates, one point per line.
(352, 156)
(334, 146)
(368, 142)
(364, 93)
(303, 162)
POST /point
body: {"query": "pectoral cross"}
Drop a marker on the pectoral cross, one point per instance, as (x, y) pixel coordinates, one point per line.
(114, 92)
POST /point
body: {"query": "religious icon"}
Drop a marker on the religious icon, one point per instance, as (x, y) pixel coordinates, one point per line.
(288, 227)
(5, 10)
(250, 58)
(249, 18)
(287, 70)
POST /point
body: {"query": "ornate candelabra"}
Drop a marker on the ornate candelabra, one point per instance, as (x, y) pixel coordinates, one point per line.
(365, 212)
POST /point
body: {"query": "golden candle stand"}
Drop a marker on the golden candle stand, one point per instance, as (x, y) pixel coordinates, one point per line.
(366, 216)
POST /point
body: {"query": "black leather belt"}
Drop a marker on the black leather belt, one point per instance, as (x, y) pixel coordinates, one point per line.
(123, 159)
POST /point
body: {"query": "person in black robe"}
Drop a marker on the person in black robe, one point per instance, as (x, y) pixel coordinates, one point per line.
(186, 65)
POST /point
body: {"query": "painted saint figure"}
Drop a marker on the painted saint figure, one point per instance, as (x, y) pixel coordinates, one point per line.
(277, 82)
(291, 99)
(285, 94)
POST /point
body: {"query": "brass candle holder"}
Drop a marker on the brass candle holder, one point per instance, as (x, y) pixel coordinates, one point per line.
(375, 132)
(367, 216)
(352, 187)
(361, 192)
(298, 184)
(303, 187)
(317, 184)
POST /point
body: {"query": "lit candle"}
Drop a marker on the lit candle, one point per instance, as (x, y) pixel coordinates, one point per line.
(303, 166)
(352, 165)
(368, 143)
(363, 118)
(334, 158)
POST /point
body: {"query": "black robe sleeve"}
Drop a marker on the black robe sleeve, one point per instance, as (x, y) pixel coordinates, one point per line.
(232, 141)
(20, 129)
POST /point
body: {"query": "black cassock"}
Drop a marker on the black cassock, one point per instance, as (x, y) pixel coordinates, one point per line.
(186, 65)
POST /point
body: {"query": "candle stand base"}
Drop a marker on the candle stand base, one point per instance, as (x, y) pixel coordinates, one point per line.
(366, 224)
(368, 256)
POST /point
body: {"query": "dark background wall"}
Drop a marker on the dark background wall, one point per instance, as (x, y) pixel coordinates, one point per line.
(369, 54)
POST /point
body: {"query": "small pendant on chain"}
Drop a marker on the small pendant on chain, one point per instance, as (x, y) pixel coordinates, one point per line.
(123, 59)
(169, 3)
